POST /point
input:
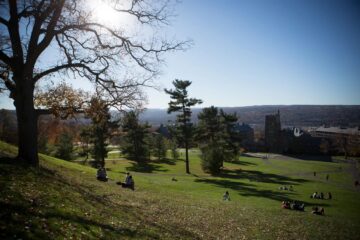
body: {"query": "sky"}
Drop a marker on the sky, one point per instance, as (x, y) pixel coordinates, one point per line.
(267, 52)
(264, 52)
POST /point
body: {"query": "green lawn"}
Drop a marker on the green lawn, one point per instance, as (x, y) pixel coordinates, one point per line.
(63, 200)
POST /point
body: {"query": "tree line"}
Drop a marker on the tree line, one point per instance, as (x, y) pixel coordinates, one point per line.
(214, 134)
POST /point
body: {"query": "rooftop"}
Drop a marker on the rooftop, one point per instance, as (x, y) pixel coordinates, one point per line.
(340, 130)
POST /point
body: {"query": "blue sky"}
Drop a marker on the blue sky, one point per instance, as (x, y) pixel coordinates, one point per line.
(265, 52)
(268, 52)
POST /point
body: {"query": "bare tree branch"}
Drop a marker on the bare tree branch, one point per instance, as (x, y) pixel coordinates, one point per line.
(5, 58)
(14, 32)
(3, 21)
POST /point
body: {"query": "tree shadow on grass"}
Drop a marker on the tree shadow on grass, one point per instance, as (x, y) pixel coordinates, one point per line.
(250, 190)
(33, 217)
(167, 161)
(21, 216)
(257, 176)
(5, 159)
(243, 163)
(250, 155)
(16, 226)
(145, 167)
(320, 158)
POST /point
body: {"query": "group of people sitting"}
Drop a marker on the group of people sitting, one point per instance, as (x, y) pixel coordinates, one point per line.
(101, 175)
(294, 205)
(321, 195)
(301, 207)
(318, 210)
(290, 188)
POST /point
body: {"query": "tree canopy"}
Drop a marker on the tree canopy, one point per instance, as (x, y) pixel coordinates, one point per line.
(45, 39)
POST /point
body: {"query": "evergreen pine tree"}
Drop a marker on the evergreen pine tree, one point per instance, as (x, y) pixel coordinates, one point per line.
(100, 129)
(135, 142)
(217, 138)
(159, 146)
(231, 137)
(64, 146)
(181, 103)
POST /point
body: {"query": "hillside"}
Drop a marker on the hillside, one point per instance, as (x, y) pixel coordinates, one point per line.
(63, 200)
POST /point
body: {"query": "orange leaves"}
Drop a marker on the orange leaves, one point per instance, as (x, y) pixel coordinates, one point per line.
(62, 100)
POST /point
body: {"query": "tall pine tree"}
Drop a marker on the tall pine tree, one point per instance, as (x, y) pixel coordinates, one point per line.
(181, 103)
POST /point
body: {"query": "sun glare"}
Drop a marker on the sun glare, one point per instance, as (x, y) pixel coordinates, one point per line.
(104, 13)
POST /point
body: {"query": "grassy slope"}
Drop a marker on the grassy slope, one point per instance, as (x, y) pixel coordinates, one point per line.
(62, 199)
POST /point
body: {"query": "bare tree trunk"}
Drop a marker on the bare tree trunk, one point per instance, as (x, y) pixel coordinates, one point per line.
(27, 123)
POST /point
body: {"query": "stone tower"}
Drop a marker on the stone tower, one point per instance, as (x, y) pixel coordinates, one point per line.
(273, 132)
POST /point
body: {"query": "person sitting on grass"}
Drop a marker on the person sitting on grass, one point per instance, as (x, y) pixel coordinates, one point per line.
(314, 195)
(226, 196)
(298, 206)
(318, 210)
(285, 204)
(101, 174)
(329, 196)
(129, 182)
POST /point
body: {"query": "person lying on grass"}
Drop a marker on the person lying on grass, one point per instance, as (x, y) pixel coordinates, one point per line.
(318, 210)
(285, 204)
(297, 206)
(293, 205)
(101, 174)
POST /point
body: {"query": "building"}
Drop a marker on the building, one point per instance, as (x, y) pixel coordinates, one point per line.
(304, 143)
(273, 132)
(335, 132)
(339, 139)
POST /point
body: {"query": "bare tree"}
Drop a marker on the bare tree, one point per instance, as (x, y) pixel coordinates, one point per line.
(114, 60)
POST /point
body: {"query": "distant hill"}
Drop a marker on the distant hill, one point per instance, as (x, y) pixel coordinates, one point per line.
(291, 115)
